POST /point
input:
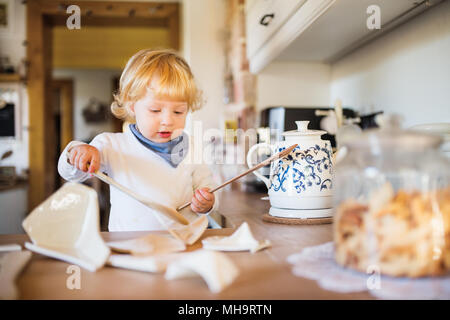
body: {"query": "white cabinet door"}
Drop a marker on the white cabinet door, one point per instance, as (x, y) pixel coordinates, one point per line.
(264, 18)
(317, 30)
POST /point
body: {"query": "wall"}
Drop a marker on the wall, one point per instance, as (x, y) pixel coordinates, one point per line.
(13, 202)
(407, 71)
(19, 145)
(293, 84)
(11, 45)
(101, 47)
(89, 83)
(203, 24)
(11, 41)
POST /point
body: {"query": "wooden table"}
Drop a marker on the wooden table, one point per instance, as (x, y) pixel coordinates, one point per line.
(263, 275)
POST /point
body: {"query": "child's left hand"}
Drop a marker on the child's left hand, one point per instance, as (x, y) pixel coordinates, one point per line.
(202, 201)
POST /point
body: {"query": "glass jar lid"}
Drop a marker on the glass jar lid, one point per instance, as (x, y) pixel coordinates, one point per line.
(392, 138)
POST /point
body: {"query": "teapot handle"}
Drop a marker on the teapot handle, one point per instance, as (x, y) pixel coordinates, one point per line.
(249, 161)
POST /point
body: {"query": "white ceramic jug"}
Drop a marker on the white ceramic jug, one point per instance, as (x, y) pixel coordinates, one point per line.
(300, 184)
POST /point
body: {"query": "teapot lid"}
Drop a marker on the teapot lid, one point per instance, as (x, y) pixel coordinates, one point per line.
(302, 130)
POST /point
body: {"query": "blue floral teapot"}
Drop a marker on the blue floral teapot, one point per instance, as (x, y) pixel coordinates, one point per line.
(303, 179)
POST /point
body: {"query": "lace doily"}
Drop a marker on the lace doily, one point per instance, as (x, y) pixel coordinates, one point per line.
(317, 263)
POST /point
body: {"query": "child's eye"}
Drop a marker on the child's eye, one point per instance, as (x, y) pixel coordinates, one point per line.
(154, 110)
(179, 112)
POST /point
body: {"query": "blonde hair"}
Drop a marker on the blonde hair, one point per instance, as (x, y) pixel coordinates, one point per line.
(171, 72)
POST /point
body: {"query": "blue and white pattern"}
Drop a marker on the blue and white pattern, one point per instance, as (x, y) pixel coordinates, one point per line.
(306, 168)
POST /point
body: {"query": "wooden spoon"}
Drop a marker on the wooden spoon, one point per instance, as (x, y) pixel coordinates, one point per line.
(181, 228)
(169, 212)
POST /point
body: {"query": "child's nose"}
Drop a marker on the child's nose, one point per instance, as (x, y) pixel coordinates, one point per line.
(167, 119)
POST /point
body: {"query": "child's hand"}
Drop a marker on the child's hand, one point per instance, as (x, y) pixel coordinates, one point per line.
(85, 158)
(202, 201)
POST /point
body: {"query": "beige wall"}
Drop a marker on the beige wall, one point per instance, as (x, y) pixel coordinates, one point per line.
(11, 42)
(293, 84)
(100, 47)
(203, 24)
(11, 45)
(407, 71)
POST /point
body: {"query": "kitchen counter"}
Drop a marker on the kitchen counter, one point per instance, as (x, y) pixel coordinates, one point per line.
(263, 275)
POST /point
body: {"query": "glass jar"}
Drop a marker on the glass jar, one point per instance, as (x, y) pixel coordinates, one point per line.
(392, 204)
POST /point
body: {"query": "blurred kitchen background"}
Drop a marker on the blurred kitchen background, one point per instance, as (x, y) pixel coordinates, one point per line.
(262, 64)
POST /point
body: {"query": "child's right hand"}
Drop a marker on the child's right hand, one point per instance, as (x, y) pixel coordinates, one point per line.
(85, 158)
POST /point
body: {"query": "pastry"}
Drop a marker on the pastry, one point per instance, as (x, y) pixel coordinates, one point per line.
(406, 233)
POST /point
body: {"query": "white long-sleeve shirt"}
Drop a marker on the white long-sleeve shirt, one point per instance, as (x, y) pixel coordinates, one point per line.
(133, 165)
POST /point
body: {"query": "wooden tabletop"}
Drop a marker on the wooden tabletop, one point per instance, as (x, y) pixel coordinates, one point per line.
(263, 275)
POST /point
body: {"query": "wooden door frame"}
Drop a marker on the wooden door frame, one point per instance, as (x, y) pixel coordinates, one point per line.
(42, 16)
(65, 86)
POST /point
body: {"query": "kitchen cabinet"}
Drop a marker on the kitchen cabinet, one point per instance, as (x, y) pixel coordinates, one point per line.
(318, 30)
(264, 18)
(13, 208)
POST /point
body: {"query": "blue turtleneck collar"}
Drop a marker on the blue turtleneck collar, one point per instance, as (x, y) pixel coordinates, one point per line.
(173, 151)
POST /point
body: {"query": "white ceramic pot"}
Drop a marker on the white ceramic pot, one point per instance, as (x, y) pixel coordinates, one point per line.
(303, 179)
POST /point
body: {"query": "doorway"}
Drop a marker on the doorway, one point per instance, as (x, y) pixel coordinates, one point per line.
(42, 17)
(62, 118)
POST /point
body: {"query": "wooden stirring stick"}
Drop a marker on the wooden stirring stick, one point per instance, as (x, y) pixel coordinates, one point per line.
(262, 164)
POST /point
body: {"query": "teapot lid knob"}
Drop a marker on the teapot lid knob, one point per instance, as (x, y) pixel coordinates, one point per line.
(302, 126)
(303, 131)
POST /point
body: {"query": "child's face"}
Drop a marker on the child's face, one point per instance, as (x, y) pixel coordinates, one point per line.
(160, 120)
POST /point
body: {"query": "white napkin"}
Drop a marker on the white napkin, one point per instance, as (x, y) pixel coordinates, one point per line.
(318, 263)
(241, 240)
(214, 267)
